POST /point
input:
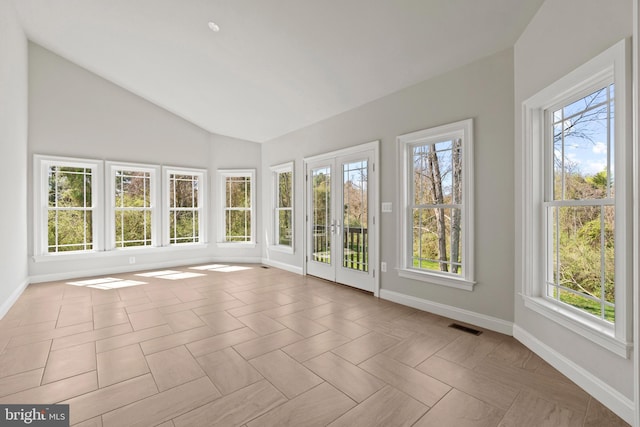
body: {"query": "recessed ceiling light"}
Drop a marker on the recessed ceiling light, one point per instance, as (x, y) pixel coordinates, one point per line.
(213, 26)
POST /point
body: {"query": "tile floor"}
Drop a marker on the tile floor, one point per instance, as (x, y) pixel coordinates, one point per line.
(248, 346)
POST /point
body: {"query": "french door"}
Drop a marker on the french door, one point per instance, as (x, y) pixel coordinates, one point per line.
(340, 236)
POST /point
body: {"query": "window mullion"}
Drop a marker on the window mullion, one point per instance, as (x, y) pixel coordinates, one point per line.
(609, 141)
(84, 204)
(557, 251)
(562, 175)
(602, 263)
(122, 227)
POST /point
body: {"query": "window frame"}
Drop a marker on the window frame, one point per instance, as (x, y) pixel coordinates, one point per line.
(167, 171)
(612, 64)
(464, 130)
(42, 163)
(223, 174)
(154, 204)
(275, 209)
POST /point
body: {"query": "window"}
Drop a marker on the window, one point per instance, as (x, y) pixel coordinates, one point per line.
(68, 205)
(579, 202)
(437, 201)
(184, 207)
(238, 201)
(133, 219)
(283, 206)
(577, 241)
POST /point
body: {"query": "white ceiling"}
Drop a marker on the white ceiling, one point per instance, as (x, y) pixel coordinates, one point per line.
(276, 65)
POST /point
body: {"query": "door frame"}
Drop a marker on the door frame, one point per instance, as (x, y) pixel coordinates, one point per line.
(374, 198)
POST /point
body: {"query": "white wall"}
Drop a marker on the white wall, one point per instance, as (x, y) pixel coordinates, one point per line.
(73, 112)
(483, 91)
(13, 152)
(563, 35)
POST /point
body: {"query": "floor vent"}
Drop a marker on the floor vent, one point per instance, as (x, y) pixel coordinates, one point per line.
(465, 329)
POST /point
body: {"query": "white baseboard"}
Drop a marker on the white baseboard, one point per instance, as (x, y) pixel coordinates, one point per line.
(282, 266)
(119, 269)
(611, 398)
(8, 303)
(478, 319)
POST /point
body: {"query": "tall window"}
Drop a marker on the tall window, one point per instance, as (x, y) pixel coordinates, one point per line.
(133, 217)
(68, 200)
(577, 190)
(237, 190)
(437, 202)
(283, 205)
(580, 202)
(185, 218)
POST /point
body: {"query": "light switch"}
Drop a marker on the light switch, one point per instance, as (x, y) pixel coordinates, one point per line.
(387, 207)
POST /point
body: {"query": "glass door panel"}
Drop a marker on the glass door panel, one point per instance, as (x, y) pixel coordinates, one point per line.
(321, 215)
(320, 225)
(355, 216)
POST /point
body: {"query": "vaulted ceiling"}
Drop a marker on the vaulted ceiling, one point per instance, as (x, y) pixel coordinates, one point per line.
(275, 65)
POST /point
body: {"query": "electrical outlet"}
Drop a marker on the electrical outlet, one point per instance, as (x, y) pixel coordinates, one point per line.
(383, 267)
(132, 260)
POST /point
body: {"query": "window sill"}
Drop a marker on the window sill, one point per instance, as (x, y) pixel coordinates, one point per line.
(280, 248)
(73, 256)
(237, 245)
(437, 279)
(592, 330)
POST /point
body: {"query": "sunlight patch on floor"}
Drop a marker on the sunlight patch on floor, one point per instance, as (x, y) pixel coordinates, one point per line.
(158, 273)
(222, 268)
(170, 274)
(208, 267)
(232, 268)
(107, 283)
(181, 275)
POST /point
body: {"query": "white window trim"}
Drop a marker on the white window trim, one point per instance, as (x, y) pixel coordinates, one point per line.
(462, 129)
(222, 175)
(202, 204)
(612, 62)
(155, 197)
(41, 164)
(275, 170)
